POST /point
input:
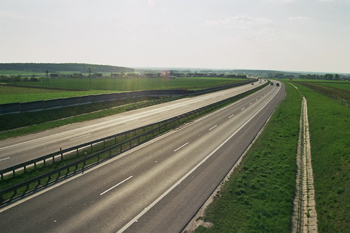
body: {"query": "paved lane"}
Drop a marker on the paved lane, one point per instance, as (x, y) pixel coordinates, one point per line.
(17, 150)
(156, 186)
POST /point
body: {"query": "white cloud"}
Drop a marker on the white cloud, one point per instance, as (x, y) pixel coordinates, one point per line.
(151, 2)
(281, 1)
(238, 21)
(299, 18)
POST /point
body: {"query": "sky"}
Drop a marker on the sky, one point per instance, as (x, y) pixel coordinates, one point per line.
(288, 35)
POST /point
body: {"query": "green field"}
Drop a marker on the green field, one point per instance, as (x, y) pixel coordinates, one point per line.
(342, 85)
(135, 84)
(329, 83)
(259, 195)
(330, 148)
(10, 94)
(102, 85)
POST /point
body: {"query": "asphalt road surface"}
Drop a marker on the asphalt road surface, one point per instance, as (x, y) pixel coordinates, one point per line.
(156, 187)
(21, 149)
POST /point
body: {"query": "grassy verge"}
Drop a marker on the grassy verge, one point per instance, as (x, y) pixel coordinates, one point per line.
(259, 195)
(330, 148)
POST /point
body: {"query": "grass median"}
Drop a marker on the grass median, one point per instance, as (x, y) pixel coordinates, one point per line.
(259, 195)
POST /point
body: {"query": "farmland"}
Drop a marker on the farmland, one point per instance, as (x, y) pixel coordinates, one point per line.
(10, 94)
(135, 84)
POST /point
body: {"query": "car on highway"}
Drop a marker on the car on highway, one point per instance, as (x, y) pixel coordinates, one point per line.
(277, 84)
(271, 83)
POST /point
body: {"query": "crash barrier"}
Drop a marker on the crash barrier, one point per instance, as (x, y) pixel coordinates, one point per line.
(82, 100)
(37, 182)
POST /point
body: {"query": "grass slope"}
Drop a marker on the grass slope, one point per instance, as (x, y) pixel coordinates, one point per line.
(330, 148)
(259, 195)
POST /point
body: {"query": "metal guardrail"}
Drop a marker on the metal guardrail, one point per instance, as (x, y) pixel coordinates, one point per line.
(36, 182)
(59, 155)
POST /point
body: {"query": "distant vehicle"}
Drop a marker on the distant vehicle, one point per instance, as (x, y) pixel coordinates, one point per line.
(252, 84)
(277, 84)
(271, 83)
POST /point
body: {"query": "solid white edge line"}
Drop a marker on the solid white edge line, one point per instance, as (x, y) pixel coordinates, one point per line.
(213, 127)
(181, 146)
(5, 158)
(116, 185)
(188, 173)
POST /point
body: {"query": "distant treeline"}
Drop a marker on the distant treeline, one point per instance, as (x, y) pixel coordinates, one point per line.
(17, 78)
(53, 67)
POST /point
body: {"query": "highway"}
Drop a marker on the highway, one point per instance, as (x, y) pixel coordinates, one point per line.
(21, 149)
(156, 187)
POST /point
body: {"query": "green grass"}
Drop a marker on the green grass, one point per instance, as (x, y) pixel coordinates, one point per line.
(342, 85)
(259, 195)
(330, 148)
(136, 84)
(10, 94)
(339, 95)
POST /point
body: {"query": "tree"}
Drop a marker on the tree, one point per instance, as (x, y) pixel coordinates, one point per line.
(328, 76)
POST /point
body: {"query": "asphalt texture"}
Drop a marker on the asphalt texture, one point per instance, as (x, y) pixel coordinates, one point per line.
(156, 187)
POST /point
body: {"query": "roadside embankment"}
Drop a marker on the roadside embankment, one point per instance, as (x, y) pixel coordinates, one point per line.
(330, 133)
(259, 194)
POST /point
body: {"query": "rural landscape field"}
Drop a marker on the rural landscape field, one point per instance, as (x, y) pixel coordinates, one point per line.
(262, 187)
(175, 116)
